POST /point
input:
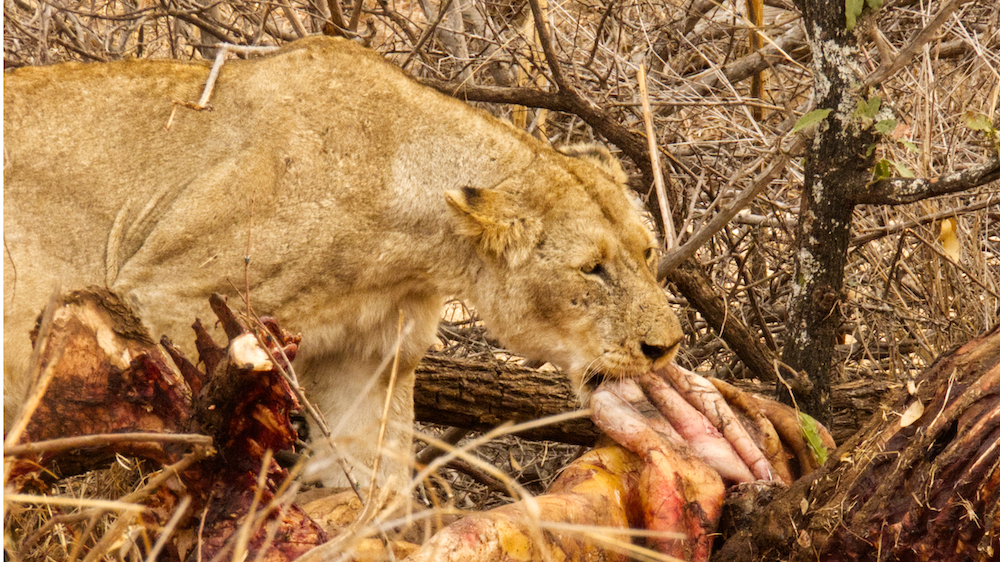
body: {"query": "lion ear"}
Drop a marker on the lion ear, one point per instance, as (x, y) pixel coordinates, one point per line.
(599, 156)
(492, 219)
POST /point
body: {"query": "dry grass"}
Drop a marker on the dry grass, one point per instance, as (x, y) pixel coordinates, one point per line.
(907, 300)
(45, 532)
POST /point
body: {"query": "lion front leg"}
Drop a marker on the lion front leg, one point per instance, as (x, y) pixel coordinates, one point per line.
(359, 374)
(351, 395)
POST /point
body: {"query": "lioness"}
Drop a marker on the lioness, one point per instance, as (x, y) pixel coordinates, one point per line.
(362, 196)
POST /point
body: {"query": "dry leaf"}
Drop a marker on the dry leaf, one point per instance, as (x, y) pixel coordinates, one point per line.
(514, 465)
(949, 239)
(912, 414)
(902, 130)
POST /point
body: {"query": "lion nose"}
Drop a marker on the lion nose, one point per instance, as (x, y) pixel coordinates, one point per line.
(653, 352)
(658, 354)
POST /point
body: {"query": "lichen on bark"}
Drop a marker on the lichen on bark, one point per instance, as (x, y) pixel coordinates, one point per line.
(836, 170)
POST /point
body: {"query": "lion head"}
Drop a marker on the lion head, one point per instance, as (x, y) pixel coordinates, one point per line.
(567, 268)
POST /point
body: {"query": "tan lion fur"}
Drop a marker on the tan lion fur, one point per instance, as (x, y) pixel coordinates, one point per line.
(371, 197)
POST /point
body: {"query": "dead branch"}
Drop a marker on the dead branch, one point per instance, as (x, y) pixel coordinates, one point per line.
(907, 53)
(890, 229)
(567, 101)
(897, 191)
(666, 217)
(545, 38)
(788, 46)
(336, 17)
(89, 441)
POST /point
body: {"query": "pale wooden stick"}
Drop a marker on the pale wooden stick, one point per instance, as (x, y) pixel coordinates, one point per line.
(669, 236)
(220, 59)
(85, 441)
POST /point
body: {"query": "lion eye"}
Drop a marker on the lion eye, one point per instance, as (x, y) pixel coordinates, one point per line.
(593, 269)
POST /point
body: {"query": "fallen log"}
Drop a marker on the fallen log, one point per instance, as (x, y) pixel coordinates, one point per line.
(920, 481)
(482, 394)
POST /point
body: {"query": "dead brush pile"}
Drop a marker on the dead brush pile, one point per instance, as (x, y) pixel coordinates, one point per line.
(723, 93)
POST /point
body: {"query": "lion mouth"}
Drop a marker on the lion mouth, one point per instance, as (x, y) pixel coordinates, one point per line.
(597, 376)
(612, 366)
(593, 381)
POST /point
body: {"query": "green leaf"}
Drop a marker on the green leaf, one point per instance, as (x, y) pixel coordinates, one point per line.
(871, 148)
(886, 126)
(811, 118)
(903, 170)
(875, 5)
(978, 122)
(881, 170)
(910, 146)
(868, 109)
(853, 10)
(862, 108)
(811, 431)
(874, 104)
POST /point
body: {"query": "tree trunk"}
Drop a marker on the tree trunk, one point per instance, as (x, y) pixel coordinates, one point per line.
(914, 484)
(836, 168)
